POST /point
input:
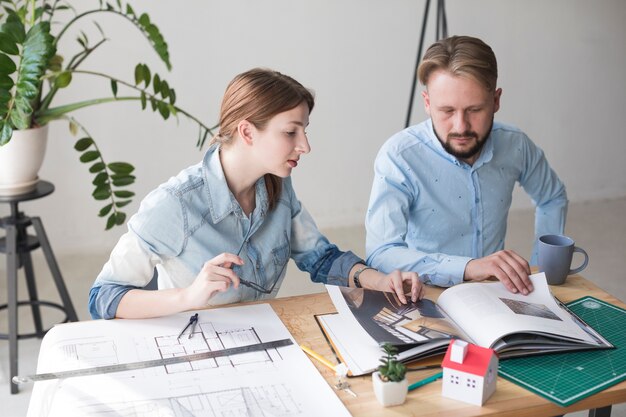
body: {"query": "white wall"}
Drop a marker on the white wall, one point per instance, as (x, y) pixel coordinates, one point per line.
(562, 65)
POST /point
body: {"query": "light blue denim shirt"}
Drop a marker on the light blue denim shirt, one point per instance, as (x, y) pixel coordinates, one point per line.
(194, 217)
(431, 213)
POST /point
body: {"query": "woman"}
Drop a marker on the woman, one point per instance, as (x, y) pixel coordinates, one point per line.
(223, 230)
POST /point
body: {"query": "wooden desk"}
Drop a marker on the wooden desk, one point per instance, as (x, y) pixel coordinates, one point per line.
(509, 399)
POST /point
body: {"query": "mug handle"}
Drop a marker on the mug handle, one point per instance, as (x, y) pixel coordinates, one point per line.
(585, 262)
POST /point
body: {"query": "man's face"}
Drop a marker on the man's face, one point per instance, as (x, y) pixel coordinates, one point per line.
(462, 113)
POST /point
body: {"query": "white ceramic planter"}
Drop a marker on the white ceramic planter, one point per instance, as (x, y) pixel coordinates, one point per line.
(21, 159)
(389, 393)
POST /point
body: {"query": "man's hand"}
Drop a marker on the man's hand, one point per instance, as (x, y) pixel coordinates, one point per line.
(507, 266)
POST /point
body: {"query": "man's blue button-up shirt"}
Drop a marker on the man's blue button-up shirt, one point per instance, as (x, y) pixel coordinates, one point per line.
(432, 213)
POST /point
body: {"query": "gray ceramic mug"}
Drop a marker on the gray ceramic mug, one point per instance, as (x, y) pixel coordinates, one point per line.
(554, 256)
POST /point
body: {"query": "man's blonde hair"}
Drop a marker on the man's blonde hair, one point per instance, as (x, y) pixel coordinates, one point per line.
(462, 56)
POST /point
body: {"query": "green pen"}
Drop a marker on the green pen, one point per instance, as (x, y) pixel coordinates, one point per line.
(425, 381)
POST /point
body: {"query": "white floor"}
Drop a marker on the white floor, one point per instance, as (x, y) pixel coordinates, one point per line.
(599, 227)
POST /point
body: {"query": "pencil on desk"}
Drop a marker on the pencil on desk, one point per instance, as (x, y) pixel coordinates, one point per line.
(425, 381)
(319, 357)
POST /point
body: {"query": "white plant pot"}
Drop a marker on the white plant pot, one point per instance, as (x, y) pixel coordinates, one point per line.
(21, 159)
(389, 393)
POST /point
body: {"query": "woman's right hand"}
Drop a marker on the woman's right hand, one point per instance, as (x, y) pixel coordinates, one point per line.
(216, 275)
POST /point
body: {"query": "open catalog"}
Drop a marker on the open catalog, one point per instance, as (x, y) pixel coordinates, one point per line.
(485, 314)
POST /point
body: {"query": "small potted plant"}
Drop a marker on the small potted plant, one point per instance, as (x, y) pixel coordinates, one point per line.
(390, 383)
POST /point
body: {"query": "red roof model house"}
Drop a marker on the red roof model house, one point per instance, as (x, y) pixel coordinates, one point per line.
(469, 372)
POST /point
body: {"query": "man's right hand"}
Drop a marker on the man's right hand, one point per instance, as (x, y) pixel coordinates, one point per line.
(507, 266)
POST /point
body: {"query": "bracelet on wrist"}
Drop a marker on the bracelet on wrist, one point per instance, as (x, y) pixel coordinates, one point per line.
(355, 278)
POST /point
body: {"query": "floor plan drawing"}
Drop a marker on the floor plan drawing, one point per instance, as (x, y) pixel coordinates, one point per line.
(210, 338)
(272, 400)
(271, 382)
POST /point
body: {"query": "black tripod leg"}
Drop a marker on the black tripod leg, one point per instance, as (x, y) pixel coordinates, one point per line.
(54, 268)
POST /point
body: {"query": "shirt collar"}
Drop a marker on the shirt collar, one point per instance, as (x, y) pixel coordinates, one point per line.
(485, 154)
(221, 199)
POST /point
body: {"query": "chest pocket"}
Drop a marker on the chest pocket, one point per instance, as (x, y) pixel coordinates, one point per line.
(281, 253)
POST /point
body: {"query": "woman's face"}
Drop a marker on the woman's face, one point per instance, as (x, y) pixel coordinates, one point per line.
(283, 140)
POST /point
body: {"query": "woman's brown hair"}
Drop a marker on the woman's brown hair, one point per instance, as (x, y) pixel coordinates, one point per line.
(258, 95)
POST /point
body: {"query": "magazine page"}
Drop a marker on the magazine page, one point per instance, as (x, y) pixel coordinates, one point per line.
(366, 318)
(386, 319)
(488, 311)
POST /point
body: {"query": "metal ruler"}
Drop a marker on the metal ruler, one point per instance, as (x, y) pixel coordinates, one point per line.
(106, 369)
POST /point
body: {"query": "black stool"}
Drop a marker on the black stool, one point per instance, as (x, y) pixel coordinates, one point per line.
(17, 244)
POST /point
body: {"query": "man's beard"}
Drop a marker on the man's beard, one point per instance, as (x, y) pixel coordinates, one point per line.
(469, 153)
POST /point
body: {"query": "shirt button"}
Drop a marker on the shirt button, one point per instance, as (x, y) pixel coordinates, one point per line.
(476, 201)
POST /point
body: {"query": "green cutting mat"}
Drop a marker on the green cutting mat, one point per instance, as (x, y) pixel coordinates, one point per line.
(565, 378)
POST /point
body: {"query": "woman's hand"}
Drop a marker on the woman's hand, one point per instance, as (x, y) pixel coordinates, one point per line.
(404, 283)
(401, 283)
(216, 275)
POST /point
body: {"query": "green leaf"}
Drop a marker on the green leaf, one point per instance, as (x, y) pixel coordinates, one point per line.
(6, 131)
(110, 221)
(102, 192)
(144, 19)
(138, 74)
(156, 83)
(120, 218)
(146, 74)
(105, 210)
(163, 109)
(89, 156)
(123, 181)
(165, 89)
(97, 167)
(121, 167)
(6, 82)
(8, 45)
(83, 144)
(121, 204)
(14, 28)
(172, 95)
(7, 66)
(114, 87)
(36, 50)
(63, 79)
(101, 179)
(143, 100)
(129, 10)
(123, 194)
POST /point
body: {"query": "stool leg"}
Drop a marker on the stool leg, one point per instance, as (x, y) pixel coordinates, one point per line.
(32, 292)
(54, 268)
(11, 247)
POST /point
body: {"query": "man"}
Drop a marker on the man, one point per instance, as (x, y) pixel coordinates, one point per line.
(442, 189)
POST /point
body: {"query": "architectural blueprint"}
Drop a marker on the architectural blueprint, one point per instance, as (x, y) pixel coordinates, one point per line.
(273, 382)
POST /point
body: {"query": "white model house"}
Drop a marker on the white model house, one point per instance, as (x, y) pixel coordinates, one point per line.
(469, 372)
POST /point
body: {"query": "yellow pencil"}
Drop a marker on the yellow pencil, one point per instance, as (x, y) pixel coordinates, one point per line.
(319, 357)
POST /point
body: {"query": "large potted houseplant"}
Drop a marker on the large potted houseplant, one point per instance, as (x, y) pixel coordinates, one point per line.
(32, 71)
(389, 381)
